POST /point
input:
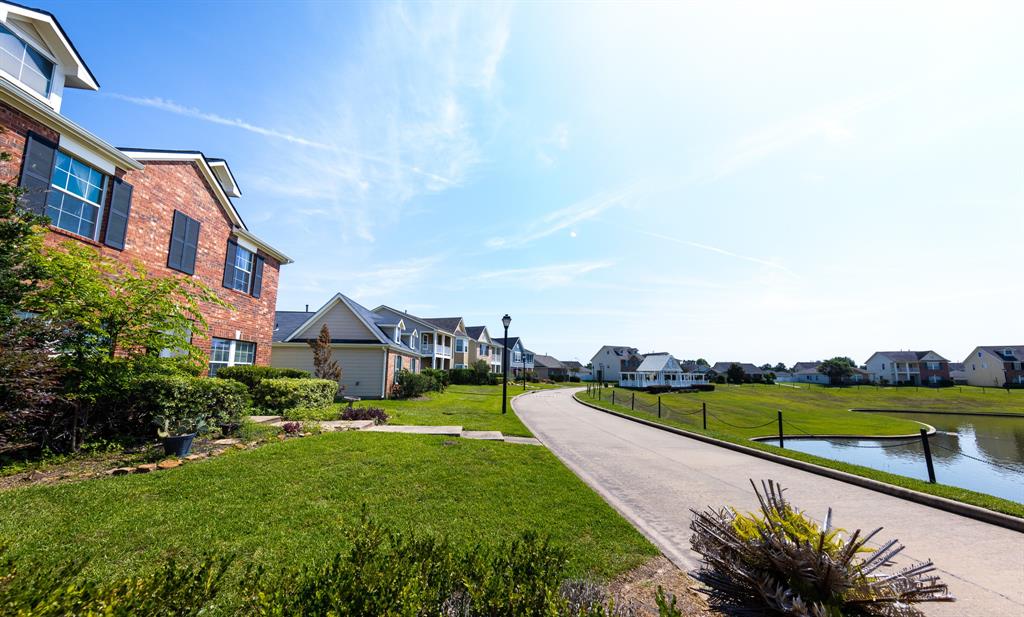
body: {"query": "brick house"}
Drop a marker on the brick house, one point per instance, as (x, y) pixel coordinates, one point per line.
(999, 366)
(912, 368)
(171, 211)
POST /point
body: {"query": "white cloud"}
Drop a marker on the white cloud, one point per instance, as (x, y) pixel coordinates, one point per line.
(714, 249)
(562, 219)
(540, 277)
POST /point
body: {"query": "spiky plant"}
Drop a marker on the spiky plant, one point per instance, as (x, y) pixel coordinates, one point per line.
(781, 562)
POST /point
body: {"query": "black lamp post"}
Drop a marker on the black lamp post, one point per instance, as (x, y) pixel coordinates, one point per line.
(505, 321)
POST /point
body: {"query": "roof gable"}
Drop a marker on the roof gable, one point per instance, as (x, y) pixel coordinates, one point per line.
(655, 363)
(454, 325)
(47, 31)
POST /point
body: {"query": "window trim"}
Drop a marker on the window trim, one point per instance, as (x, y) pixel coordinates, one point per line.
(104, 193)
(232, 354)
(26, 40)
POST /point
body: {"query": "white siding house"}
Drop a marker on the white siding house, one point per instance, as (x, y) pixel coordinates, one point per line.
(660, 369)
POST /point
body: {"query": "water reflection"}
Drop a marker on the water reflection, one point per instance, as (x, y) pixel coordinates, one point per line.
(996, 445)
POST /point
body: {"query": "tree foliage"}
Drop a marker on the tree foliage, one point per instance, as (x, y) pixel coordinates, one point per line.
(735, 373)
(324, 364)
(837, 369)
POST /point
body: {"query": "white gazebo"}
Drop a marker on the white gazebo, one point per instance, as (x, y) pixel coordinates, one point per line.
(660, 369)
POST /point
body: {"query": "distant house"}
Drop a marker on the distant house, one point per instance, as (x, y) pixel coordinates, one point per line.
(784, 376)
(912, 368)
(455, 325)
(576, 369)
(547, 367)
(660, 369)
(995, 365)
(482, 347)
(371, 348)
(750, 371)
(434, 342)
(609, 362)
(519, 357)
(958, 373)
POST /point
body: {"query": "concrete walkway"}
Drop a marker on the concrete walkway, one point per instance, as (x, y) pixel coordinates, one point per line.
(654, 477)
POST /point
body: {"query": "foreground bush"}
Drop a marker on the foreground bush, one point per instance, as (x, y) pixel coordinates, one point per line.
(252, 375)
(382, 573)
(181, 398)
(780, 562)
(378, 415)
(411, 385)
(172, 591)
(282, 395)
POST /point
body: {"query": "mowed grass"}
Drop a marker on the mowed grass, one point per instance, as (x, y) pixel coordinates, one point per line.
(474, 408)
(288, 502)
(751, 405)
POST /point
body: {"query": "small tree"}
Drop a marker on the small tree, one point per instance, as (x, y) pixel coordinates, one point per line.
(837, 369)
(703, 363)
(324, 364)
(736, 374)
(780, 368)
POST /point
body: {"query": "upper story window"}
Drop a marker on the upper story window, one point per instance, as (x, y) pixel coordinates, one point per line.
(933, 366)
(76, 202)
(243, 270)
(24, 63)
(243, 267)
(460, 345)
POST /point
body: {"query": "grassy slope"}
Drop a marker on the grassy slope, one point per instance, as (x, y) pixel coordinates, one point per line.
(475, 408)
(286, 502)
(741, 436)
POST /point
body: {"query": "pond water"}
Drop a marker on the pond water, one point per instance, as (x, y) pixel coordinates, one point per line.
(980, 453)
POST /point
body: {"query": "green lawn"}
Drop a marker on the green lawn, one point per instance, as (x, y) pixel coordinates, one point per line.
(287, 502)
(475, 408)
(814, 409)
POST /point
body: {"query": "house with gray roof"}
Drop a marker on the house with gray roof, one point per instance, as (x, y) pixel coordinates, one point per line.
(996, 366)
(660, 370)
(911, 368)
(519, 357)
(549, 367)
(483, 347)
(371, 348)
(436, 336)
(455, 325)
(609, 361)
(750, 371)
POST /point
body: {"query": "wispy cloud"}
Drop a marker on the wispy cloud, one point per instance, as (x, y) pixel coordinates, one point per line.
(562, 219)
(540, 277)
(376, 283)
(721, 251)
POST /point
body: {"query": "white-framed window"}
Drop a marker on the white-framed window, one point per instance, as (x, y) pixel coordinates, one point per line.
(25, 63)
(460, 345)
(245, 263)
(76, 196)
(517, 357)
(933, 366)
(227, 352)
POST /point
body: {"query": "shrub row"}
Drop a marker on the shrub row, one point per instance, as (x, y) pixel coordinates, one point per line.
(252, 375)
(180, 398)
(411, 385)
(281, 395)
(383, 573)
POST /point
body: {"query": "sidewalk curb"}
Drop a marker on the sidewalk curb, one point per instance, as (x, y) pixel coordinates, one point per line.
(940, 503)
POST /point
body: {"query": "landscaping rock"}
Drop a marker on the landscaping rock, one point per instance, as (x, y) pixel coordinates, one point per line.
(240, 446)
(252, 444)
(170, 463)
(36, 476)
(121, 471)
(195, 457)
(148, 467)
(449, 442)
(229, 441)
(217, 452)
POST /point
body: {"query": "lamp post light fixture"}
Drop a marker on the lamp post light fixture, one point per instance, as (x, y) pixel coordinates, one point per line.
(505, 321)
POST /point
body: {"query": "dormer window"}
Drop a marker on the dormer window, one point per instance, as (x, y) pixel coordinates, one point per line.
(1007, 353)
(25, 63)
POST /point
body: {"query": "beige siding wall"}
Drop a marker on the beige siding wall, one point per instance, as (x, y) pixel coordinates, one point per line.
(984, 371)
(362, 369)
(342, 324)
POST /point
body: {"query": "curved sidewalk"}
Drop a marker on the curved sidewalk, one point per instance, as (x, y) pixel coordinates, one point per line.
(654, 477)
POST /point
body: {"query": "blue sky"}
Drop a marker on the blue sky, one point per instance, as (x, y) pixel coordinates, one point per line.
(733, 181)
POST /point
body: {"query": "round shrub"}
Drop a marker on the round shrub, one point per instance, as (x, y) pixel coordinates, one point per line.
(183, 398)
(251, 375)
(282, 395)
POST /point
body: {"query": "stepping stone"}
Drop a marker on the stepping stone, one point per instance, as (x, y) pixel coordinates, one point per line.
(453, 431)
(529, 441)
(170, 463)
(485, 435)
(121, 471)
(264, 419)
(195, 457)
(230, 441)
(345, 425)
(148, 467)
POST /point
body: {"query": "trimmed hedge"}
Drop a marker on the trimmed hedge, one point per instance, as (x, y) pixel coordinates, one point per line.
(281, 395)
(180, 396)
(252, 375)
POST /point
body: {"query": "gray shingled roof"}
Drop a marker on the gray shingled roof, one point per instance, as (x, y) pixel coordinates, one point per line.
(906, 356)
(475, 332)
(1016, 351)
(510, 342)
(748, 368)
(286, 322)
(448, 324)
(547, 361)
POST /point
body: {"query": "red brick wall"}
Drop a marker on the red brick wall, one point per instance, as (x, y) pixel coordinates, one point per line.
(942, 372)
(390, 375)
(14, 126)
(159, 190)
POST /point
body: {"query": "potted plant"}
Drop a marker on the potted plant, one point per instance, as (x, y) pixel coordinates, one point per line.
(178, 432)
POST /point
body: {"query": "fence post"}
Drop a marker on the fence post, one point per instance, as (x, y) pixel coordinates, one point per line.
(928, 455)
(704, 411)
(781, 443)
(632, 401)
(659, 406)
(613, 397)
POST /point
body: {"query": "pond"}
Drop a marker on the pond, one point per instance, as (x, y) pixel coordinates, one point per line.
(980, 453)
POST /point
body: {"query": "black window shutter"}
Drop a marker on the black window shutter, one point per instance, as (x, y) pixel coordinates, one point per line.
(188, 257)
(177, 248)
(257, 277)
(36, 171)
(117, 216)
(229, 264)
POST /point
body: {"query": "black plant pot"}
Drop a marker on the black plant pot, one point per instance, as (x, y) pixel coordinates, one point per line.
(179, 445)
(229, 428)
